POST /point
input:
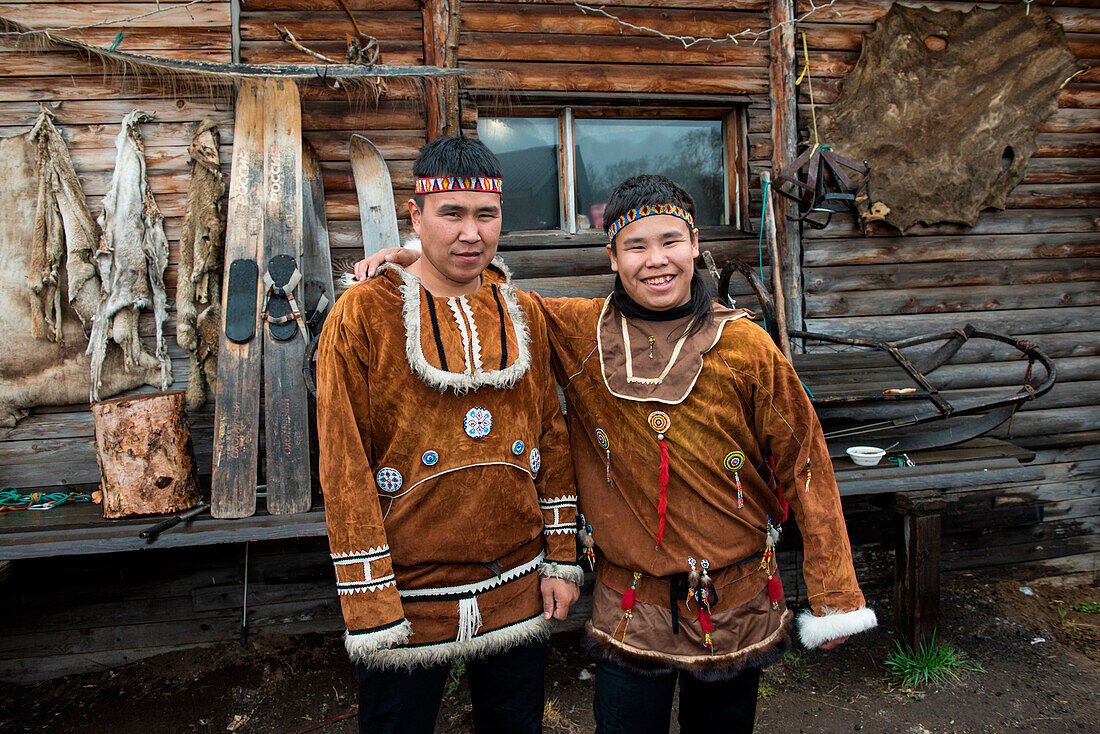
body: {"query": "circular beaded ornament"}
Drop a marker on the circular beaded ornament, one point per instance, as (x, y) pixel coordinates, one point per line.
(478, 422)
(388, 479)
(659, 421)
(517, 448)
(430, 458)
(601, 439)
(734, 460)
(536, 461)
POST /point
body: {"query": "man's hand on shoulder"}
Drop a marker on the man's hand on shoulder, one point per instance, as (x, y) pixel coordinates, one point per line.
(398, 255)
(558, 595)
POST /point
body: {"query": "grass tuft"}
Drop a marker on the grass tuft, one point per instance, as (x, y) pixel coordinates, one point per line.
(930, 663)
(454, 677)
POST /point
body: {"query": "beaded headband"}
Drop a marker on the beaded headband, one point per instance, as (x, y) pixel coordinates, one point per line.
(648, 210)
(456, 183)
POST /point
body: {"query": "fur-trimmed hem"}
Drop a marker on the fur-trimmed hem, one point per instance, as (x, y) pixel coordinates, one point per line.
(814, 631)
(362, 645)
(703, 667)
(489, 643)
(565, 571)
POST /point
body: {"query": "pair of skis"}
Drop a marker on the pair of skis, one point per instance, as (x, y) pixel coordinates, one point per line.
(279, 268)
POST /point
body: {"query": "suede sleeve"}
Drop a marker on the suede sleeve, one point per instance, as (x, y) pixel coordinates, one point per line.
(787, 428)
(360, 550)
(554, 480)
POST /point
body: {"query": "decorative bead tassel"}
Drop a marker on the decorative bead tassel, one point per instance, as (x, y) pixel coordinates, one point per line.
(662, 502)
(775, 591)
(652, 341)
(629, 597)
(740, 494)
(808, 474)
(607, 463)
(469, 619)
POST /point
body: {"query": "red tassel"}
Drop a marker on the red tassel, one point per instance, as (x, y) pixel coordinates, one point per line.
(628, 599)
(784, 506)
(775, 590)
(662, 502)
(704, 622)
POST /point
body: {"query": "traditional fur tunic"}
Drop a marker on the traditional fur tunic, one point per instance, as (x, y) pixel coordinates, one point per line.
(445, 467)
(723, 400)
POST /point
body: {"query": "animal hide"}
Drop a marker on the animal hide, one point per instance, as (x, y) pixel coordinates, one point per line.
(64, 230)
(946, 107)
(132, 256)
(36, 218)
(202, 248)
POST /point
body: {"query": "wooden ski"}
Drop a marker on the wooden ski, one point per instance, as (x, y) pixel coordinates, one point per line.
(377, 214)
(316, 255)
(237, 410)
(286, 416)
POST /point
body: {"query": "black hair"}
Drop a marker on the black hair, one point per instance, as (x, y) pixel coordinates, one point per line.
(654, 190)
(455, 156)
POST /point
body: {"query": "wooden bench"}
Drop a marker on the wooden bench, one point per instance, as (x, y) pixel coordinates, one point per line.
(915, 495)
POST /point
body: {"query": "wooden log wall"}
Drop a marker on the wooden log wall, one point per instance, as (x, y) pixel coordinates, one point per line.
(1030, 271)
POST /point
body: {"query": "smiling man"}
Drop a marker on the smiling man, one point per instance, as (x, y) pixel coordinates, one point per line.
(449, 492)
(691, 436)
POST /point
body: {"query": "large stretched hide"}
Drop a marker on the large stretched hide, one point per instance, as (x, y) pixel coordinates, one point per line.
(202, 248)
(946, 107)
(50, 368)
(131, 258)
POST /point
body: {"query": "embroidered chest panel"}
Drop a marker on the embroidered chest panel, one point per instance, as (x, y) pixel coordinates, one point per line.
(467, 342)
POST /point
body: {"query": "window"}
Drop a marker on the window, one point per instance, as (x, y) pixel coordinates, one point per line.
(560, 164)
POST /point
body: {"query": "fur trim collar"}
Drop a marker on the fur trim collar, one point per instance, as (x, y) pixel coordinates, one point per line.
(463, 382)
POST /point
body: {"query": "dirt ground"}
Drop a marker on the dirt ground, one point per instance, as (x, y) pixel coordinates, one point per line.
(1040, 661)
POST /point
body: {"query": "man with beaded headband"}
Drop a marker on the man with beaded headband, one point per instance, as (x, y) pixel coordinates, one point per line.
(691, 437)
(449, 491)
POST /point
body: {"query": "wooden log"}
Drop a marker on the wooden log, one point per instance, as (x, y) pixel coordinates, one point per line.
(1018, 321)
(1045, 221)
(917, 566)
(637, 78)
(145, 456)
(548, 18)
(784, 136)
(325, 25)
(494, 46)
(960, 273)
(951, 300)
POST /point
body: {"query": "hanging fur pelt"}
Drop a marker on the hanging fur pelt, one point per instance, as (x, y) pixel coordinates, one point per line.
(65, 233)
(46, 239)
(202, 247)
(132, 256)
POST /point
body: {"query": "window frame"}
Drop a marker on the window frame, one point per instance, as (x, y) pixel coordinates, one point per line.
(731, 111)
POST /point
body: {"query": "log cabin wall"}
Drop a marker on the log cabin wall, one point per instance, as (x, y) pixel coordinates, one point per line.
(54, 446)
(1030, 270)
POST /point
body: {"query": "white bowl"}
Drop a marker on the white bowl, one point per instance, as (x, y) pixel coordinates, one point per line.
(866, 455)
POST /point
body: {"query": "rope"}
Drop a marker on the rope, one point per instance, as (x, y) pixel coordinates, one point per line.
(760, 239)
(10, 499)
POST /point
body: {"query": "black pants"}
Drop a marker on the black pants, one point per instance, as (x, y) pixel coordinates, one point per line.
(507, 692)
(639, 703)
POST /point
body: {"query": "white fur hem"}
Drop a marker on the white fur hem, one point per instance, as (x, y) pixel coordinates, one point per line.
(551, 570)
(489, 643)
(361, 646)
(815, 631)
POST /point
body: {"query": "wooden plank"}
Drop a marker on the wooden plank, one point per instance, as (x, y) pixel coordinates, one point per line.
(930, 275)
(784, 139)
(990, 222)
(236, 448)
(325, 25)
(60, 15)
(579, 48)
(956, 249)
(1074, 19)
(619, 78)
(951, 300)
(1031, 320)
(917, 566)
(545, 18)
(1062, 170)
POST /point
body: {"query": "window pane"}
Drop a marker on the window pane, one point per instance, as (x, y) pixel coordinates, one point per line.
(687, 151)
(528, 151)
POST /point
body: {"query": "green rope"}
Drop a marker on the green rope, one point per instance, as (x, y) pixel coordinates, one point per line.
(10, 499)
(760, 239)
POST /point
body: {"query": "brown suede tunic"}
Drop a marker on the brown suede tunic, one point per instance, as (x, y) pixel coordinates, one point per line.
(445, 466)
(724, 390)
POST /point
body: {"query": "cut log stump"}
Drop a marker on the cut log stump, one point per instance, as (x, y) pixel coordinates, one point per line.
(145, 456)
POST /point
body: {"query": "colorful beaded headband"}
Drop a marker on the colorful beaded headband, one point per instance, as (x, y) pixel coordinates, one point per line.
(648, 211)
(455, 183)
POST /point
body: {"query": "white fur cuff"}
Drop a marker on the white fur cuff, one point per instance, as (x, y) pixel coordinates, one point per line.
(815, 631)
(551, 570)
(360, 647)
